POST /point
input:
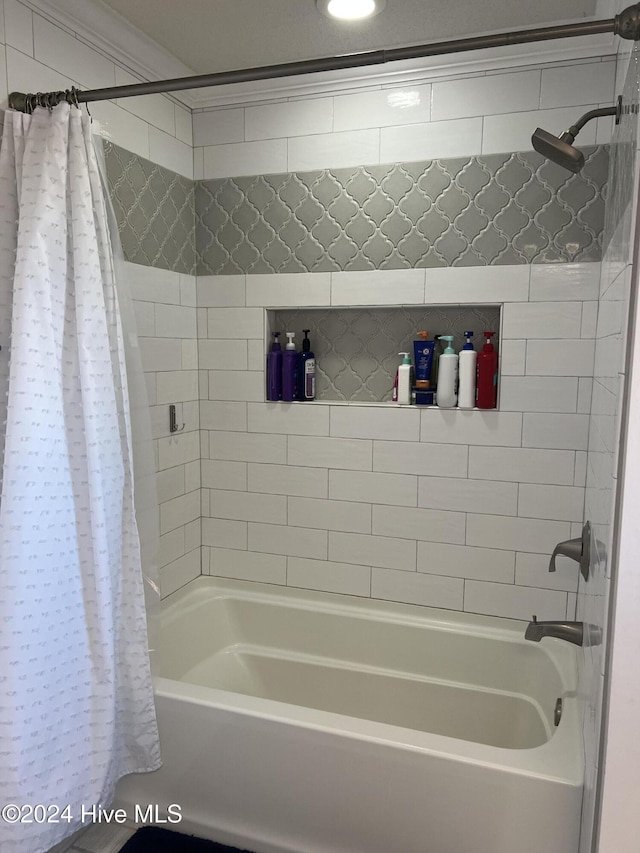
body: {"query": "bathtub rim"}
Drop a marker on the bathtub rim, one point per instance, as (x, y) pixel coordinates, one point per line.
(562, 654)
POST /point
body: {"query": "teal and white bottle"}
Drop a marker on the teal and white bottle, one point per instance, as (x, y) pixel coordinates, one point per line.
(404, 380)
(446, 396)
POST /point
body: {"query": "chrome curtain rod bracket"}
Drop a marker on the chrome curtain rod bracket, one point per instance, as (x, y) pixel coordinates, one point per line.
(626, 25)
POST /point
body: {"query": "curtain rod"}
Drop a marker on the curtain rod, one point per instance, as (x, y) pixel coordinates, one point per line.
(626, 25)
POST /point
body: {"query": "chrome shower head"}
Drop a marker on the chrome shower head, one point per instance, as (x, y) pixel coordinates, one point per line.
(560, 149)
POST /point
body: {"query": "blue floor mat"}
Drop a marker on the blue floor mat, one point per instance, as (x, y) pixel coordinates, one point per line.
(153, 839)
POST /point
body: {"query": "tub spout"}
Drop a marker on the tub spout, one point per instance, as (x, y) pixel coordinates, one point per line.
(572, 632)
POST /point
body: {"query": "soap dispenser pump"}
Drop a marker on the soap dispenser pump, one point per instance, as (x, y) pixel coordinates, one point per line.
(447, 375)
(289, 371)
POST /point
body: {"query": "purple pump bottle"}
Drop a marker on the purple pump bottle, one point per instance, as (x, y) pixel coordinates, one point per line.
(289, 369)
(274, 369)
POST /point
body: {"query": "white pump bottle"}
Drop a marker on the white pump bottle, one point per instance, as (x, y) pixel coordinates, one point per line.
(467, 368)
(446, 396)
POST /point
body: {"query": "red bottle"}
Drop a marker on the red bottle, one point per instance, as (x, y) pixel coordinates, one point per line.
(487, 375)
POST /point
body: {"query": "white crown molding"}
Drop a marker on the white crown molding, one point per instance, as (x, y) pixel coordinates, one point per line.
(99, 26)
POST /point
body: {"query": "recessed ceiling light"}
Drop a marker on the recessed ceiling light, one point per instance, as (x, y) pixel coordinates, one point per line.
(351, 10)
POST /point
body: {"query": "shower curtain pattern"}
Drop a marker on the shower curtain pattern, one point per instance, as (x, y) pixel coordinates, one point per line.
(76, 698)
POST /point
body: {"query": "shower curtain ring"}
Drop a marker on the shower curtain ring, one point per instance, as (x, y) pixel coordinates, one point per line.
(76, 102)
(73, 94)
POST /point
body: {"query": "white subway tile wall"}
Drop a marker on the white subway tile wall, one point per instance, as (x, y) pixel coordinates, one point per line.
(328, 576)
(456, 509)
(18, 27)
(166, 311)
(382, 108)
(479, 113)
(359, 288)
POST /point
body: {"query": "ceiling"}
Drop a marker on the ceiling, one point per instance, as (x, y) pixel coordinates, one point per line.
(224, 35)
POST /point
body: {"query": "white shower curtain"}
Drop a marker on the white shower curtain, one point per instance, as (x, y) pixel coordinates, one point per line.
(76, 699)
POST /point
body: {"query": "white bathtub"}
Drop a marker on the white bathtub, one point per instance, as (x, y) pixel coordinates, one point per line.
(307, 722)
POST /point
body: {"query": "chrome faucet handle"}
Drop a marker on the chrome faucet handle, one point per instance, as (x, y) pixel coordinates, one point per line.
(576, 549)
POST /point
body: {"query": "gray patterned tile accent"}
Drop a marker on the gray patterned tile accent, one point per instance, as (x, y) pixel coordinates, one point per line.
(357, 349)
(155, 211)
(496, 209)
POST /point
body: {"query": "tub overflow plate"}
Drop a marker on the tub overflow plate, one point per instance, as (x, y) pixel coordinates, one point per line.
(557, 713)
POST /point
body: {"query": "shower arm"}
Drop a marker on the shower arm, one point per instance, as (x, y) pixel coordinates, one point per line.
(626, 25)
(570, 134)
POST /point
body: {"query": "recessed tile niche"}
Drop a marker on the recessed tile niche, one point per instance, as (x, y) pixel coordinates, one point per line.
(357, 349)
